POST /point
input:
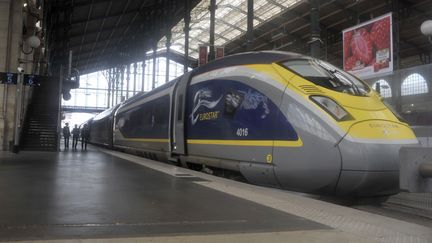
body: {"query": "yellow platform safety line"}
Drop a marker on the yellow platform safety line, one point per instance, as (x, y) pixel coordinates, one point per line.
(258, 143)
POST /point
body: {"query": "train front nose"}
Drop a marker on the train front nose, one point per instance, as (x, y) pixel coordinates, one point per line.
(370, 158)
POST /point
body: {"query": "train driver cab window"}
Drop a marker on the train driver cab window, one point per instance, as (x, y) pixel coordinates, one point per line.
(328, 76)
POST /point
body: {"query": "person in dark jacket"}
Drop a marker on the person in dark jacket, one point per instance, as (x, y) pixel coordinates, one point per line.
(66, 135)
(75, 136)
(85, 135)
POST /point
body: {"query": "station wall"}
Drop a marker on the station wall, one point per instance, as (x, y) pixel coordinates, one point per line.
(11, 36)
(417, 98)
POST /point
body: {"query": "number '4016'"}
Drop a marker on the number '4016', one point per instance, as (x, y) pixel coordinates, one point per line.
(242, 132)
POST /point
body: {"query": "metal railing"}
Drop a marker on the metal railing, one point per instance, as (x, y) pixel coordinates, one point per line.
(85, 109)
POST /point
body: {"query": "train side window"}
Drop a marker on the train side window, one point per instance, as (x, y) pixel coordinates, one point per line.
(180, 108)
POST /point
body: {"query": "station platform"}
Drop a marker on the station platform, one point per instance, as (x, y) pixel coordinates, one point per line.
(106, 196)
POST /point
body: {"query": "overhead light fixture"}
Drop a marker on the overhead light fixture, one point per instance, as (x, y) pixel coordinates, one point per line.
(33, 41)
(25, 5)
(426, 29)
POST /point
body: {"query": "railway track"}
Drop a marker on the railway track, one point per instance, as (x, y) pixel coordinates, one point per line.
(411, 207)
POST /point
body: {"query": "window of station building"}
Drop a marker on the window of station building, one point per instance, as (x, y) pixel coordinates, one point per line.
(385, 89)
(91, 93)
(94, 91)
(414, 84)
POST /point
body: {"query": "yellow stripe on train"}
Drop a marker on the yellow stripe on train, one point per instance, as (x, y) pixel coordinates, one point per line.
(151, 140)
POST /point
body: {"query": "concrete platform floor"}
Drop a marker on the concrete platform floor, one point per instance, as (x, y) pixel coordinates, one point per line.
(100, 196)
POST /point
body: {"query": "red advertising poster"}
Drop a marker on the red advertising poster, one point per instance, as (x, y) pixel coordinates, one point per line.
(220, 52)
(202, 55)
(368, 48)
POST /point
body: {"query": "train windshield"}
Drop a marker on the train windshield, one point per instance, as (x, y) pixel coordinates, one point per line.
(328, 76)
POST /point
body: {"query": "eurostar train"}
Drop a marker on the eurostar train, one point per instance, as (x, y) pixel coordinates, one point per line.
(280, 119)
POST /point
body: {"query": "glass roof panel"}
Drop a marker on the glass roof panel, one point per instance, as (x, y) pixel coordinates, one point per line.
(231, 22)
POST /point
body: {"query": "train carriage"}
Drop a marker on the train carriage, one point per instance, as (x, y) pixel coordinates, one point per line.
(280, 119)
(101, 128)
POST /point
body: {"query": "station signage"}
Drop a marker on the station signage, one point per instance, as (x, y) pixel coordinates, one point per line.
(220, 52)
(12, 78)
(368, 48)
(8, 78)
(203, 55)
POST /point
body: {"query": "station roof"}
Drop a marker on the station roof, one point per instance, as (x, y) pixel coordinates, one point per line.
(103, 33)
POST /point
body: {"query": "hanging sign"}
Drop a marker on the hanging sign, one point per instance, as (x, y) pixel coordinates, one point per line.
(368, 48)
(220, 52)
(202, 55)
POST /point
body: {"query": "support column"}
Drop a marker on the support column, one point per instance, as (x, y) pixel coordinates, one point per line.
(143, 75)
(212, 29)
(250, 17)
(135, 66)
(396, 57)
(109, 79)
(18, 112)
(154, 66)
(117, 85)
(315, 42)
(113, 92)
(168, 45)
(127, 80)
(186, 31)
(122, 75)
(10, 38)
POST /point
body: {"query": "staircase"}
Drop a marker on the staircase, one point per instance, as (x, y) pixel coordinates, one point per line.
(39, 132)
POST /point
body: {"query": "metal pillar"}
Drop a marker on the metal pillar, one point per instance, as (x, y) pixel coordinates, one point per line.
(212, 29)
(109, 87)
(122, 72)
(168, 45)
(154, 66)
(135, 66)
(250, 16)
(143, 75)
(396, 57)
(113, 81)
(315, 42)
(60, 110)
(186, 31)
(117, 84)
(395, 28)
(18, 111)
(127, 80)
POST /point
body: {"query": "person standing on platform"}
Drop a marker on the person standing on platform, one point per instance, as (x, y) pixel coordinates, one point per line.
(66, 135)
(85, 135)
(75, 136)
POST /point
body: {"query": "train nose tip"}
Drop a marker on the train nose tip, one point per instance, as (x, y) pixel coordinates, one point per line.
(368, 169)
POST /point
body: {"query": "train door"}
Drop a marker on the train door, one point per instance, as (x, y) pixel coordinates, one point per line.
(177, 134)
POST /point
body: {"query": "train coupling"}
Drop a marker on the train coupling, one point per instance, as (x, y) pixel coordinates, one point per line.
(415, 174)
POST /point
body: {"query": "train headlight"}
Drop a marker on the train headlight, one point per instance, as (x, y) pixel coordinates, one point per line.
(331, 107)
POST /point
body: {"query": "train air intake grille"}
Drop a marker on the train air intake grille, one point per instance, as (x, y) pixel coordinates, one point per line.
(310, 89)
